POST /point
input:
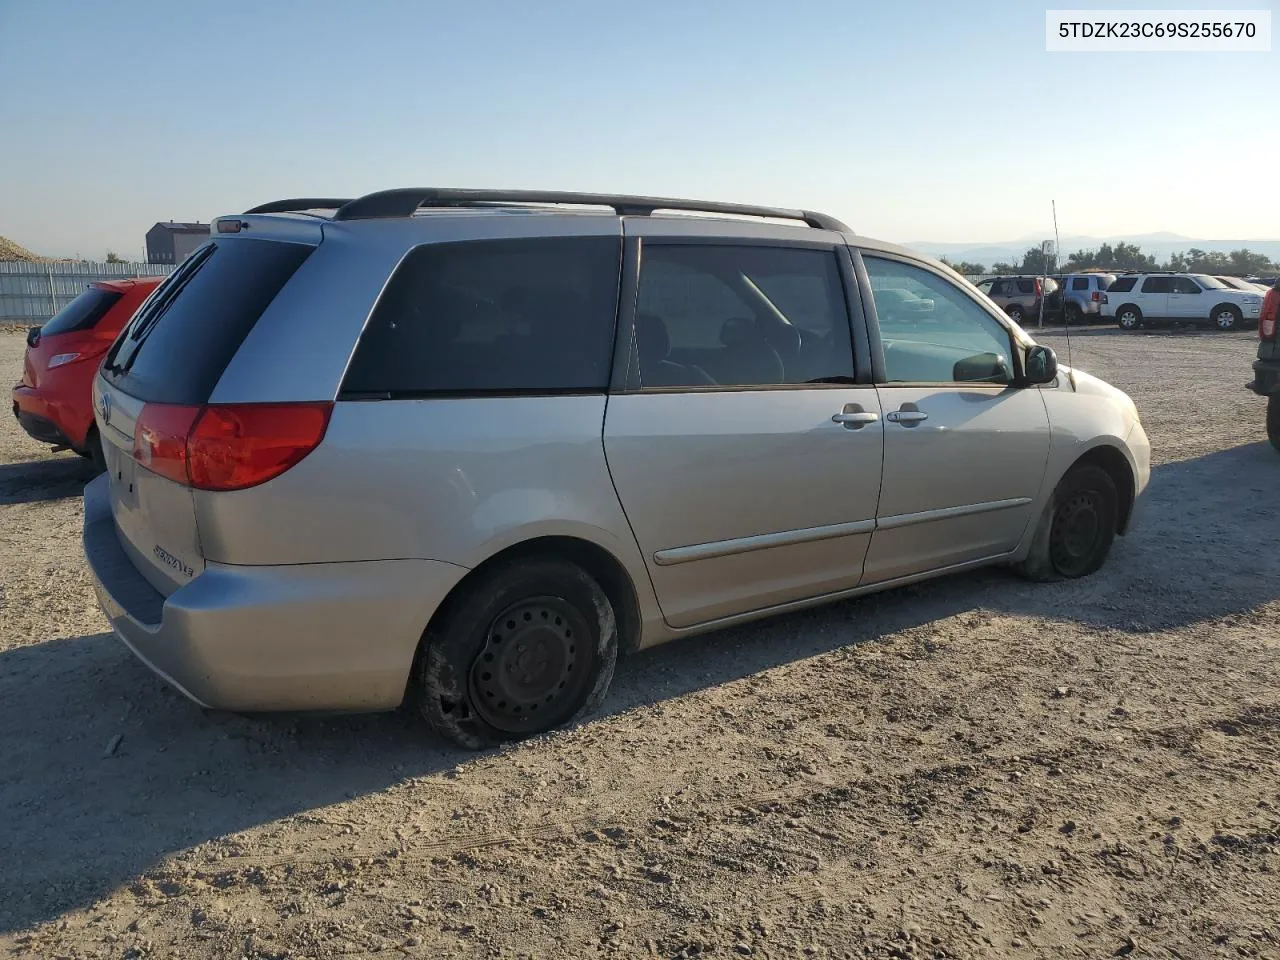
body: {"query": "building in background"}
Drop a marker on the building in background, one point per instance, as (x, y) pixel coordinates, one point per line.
(171, 242)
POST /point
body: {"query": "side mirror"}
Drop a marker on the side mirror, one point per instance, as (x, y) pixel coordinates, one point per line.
(1041, 365)
(981, 368)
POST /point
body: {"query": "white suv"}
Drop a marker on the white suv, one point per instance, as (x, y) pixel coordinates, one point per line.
(1137, 299)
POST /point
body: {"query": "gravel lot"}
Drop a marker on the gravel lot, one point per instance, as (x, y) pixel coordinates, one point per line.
(976, 767)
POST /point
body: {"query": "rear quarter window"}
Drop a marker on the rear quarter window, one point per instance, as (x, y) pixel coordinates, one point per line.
(1123, 285)
(176, 348)
(532, 315)
(82, 313)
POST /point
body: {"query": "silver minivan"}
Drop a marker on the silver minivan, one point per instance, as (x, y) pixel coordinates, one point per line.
(460, 448)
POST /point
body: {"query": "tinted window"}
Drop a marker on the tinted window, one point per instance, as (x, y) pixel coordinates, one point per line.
(932, 332)
(1079, 283)
(1185, 285)
(1000, 288)
(493, 316)
(1123, 285)
(176, 347)
(82, 313)
(1157, 284)
(739, 316)
(1026, 286)
(1105, 280)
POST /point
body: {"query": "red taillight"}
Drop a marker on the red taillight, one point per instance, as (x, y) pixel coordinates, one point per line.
(1095, 296)
(160, 439)
(1039, 288)
(228, 446)
(1267, 319)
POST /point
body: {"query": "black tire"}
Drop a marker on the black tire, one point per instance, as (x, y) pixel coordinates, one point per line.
(478, 685)
(1226, 317)
(93, 451)
(1015, 312)
(1273, 420)
(1076, 530)
(1128, 317)
(1073, 313)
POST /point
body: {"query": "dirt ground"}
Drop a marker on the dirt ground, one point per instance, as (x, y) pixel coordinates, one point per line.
(975, 767)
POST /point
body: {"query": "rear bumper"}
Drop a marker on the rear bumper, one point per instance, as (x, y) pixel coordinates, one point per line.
(44, 420)
(324, 636)
(1266, 377)
(39, 428)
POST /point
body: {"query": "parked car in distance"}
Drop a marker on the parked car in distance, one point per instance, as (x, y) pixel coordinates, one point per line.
(1138, 299)
(466, 446)
(1081, 295)
(1237, 283)
(1266, 368)
(1263, 281)
(1019, 297)
(53, 401)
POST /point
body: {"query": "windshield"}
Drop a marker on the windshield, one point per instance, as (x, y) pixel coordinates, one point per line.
(1209, 283)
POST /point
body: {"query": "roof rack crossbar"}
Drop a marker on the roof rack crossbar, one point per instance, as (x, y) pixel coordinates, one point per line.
(301, 203)
(403, 202)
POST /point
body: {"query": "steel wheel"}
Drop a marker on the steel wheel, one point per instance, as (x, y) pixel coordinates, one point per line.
(1076, 533)
(529, 668)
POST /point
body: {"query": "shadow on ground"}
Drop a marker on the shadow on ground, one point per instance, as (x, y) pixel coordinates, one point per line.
(55, 478)
(1203, 551)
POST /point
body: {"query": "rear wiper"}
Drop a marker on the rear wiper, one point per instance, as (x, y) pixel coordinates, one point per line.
(850, 380)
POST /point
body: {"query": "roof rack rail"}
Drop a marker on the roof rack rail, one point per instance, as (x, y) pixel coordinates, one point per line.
(403, 202)
(302, 203)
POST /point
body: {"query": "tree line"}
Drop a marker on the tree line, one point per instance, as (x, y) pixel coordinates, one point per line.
(1128, 256)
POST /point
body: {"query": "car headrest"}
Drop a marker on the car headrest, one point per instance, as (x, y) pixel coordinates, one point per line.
(652, 338)
(739, 330)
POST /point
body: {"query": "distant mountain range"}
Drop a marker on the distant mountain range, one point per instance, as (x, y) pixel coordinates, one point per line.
(1159, 245)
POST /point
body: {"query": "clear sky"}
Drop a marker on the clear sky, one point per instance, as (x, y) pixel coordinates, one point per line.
(909, 120)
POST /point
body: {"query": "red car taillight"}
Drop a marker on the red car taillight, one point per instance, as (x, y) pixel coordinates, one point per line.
(227, 446)
(1039, 287)
(1095, 296)
(1267, 319)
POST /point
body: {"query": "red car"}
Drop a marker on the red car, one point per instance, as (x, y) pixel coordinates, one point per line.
(52, 401)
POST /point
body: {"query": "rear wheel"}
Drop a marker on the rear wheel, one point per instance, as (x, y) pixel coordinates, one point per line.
(1129, 317)
(93, 450)
(1077, 528)
(525, 648)
(1273, 420)
(1015, 312)
(1073, 313)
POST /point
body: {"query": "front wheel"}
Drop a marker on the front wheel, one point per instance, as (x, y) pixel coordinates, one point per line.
(1077, 528)
(1227, 317)
(1273, 420)
(527, 647)
(1015, 312)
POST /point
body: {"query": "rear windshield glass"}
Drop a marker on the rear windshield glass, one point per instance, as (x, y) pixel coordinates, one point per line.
(493, 316)
(82, 313)
(176, 347)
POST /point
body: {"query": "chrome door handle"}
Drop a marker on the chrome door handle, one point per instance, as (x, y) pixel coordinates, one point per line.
(857, 419)
(908, 418)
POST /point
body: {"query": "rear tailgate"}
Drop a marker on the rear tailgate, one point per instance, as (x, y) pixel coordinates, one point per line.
(155, 516)
(169, 358)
